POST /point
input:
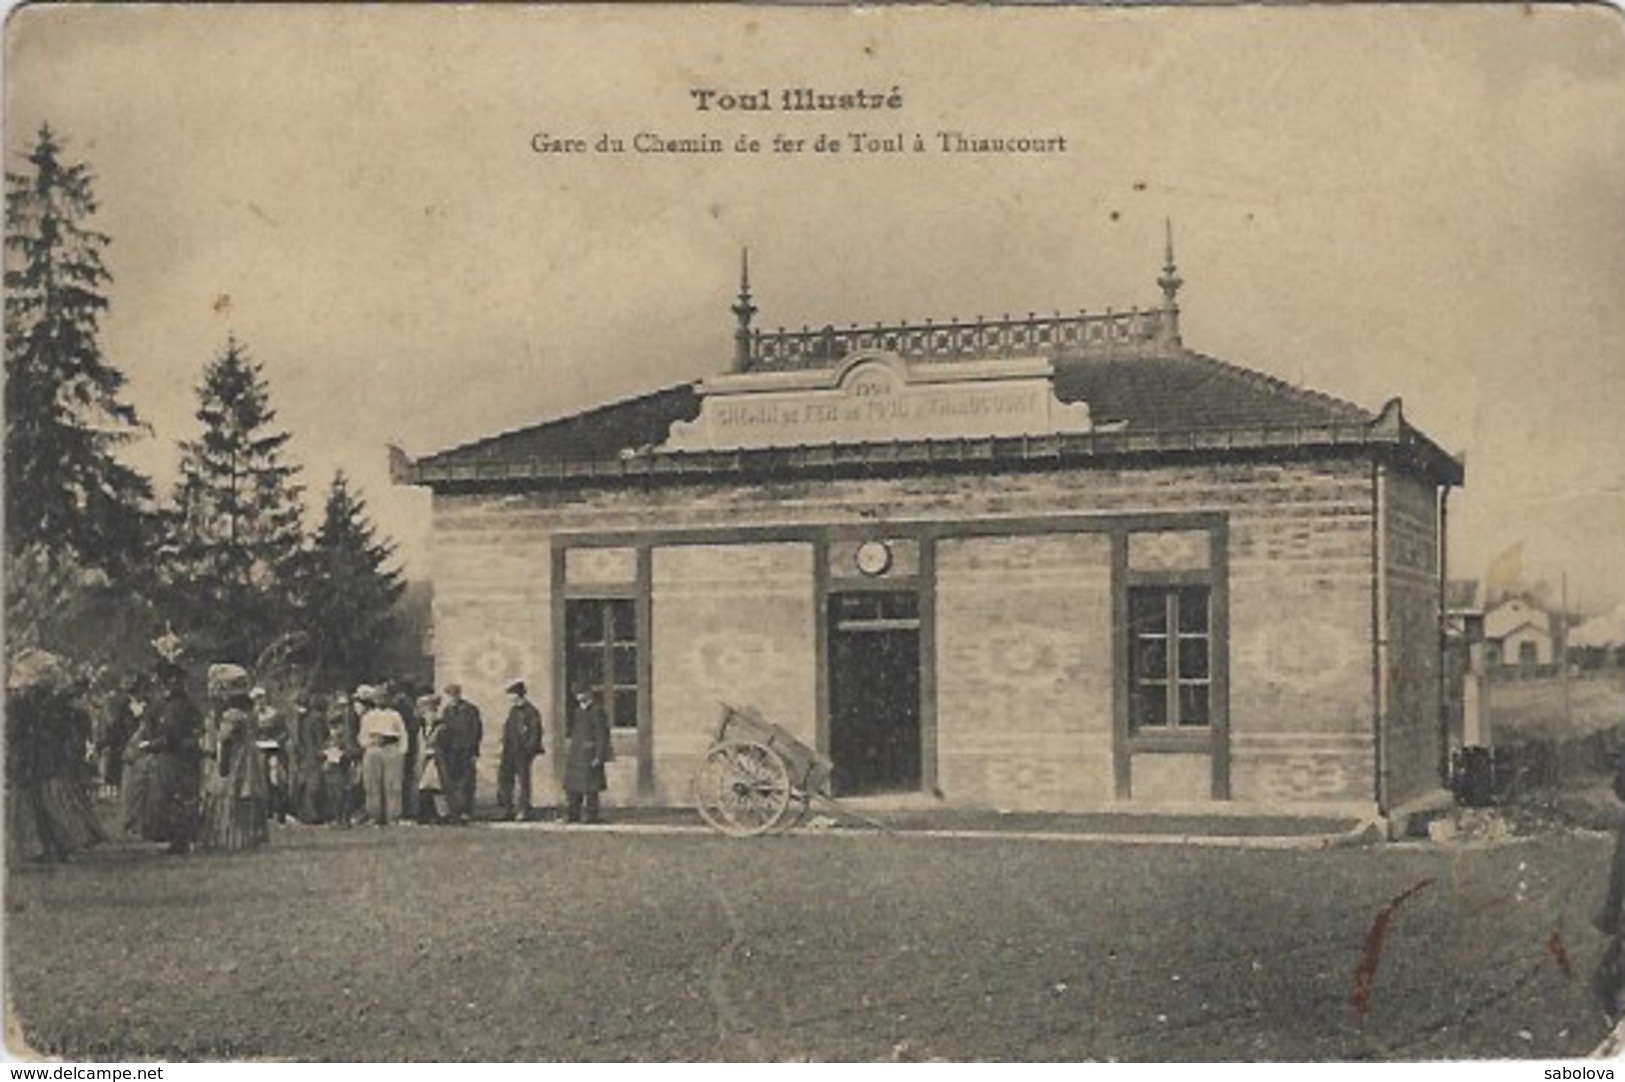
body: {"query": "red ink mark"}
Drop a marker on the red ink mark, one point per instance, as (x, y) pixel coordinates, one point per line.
(1366, 975)
(1561, 953)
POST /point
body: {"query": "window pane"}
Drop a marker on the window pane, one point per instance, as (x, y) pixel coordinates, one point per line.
(1193, 659)
(623, 620)
(1193, 704)
(583, 622)
(1147, 611)
(1193, 610)
(899, 606)
(601, 653)
(626, 665)
(626, 710)
(586, 664)
(1151, 658)
(1151, 704)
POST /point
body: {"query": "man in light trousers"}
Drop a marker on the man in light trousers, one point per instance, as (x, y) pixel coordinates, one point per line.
(382, 735)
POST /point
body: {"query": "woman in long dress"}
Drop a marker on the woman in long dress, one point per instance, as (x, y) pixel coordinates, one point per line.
(48, 810)
(161, 764)
(236, 796)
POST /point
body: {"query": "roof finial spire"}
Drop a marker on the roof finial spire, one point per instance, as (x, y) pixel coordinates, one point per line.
(743, 310)
(1170, 283)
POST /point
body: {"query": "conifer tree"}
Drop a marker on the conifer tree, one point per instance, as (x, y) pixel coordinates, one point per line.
(349, 592)
(235, 534)
(66, 493)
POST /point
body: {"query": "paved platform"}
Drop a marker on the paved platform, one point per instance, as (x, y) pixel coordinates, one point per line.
(1242, 831)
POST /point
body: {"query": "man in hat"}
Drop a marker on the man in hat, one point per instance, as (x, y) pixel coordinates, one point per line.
(464, 729)
(521, 743)
(587, 749)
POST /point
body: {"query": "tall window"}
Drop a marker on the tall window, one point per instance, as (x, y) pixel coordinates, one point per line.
(602, 636)
(1169, 657)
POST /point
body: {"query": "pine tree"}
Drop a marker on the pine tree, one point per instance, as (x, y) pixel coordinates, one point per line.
(235, 534)
(66, 493)
(348, 592)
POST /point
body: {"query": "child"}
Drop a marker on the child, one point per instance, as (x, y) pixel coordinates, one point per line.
(339, 753)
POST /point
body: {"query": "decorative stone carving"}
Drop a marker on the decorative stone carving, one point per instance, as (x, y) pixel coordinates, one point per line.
(875, 397)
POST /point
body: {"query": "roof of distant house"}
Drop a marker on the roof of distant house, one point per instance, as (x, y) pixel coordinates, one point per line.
(1513, 615)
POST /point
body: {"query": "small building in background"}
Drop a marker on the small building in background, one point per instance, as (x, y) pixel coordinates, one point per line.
(1518, 634)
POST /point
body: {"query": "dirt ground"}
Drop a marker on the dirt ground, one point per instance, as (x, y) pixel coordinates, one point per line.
(522, 944)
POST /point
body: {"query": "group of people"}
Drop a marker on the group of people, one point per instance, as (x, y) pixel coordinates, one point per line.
(212, 779)
(379, 754)
(189, 778)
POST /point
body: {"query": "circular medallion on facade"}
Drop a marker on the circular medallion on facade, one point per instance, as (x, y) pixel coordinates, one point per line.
(873, 557)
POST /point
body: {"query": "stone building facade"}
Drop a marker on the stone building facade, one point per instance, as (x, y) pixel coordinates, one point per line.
(1058, 563)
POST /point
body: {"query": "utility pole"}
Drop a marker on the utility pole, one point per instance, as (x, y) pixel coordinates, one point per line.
(1563, 650)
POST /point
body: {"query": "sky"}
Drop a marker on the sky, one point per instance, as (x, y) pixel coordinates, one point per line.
(1370, 201)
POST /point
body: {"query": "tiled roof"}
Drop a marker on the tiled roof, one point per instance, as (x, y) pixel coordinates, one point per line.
(1187, 399)
(1187, 391)
(603, 431)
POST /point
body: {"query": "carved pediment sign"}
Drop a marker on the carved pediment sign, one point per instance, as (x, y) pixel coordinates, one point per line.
(875, 397)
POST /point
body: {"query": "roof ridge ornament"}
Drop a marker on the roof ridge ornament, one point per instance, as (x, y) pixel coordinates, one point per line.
(743, 310)
(1170, 281)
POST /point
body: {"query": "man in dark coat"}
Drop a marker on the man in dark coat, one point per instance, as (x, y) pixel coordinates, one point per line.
(521, 743)
(403, 704)
(309, 735)
(586, 732)
(464, 729)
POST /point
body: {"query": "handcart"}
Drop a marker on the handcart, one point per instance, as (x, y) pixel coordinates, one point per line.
(754, 773)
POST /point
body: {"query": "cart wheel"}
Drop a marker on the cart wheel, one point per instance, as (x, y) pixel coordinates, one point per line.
(742, 788)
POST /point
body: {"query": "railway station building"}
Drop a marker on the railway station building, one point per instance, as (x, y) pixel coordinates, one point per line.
(1056, 563)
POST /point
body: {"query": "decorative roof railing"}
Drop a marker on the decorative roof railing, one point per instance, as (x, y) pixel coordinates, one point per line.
(1134, 331)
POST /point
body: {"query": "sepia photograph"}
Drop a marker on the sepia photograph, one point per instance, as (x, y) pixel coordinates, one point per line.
(761, 533)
